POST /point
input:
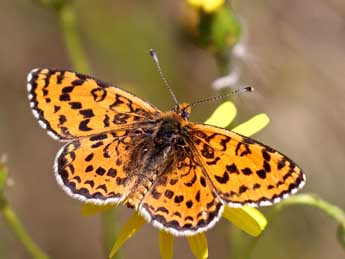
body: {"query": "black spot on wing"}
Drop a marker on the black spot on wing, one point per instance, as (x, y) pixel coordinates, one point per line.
(168, 194)
(64, 97)
(60, 77)
(67, 89)
(83, 125)
(89, 157)
(261, 173)
(112, 172)
(100, 171)
(89, 168)
(98, 94)
(222, 179)
(267, 167)
(87, 113)
(75, 105)
(178, 198)
(78, 82)
(203, 181)
(98, 137)
(62, 119)
(247, 171)
(232, 169)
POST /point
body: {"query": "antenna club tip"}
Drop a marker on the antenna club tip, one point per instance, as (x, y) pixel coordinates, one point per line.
(153, 54)
(248, 89)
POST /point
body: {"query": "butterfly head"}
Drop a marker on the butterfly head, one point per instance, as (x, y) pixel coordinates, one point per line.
(183, 110)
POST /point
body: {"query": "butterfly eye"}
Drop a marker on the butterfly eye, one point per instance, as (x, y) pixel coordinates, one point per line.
(185, 114)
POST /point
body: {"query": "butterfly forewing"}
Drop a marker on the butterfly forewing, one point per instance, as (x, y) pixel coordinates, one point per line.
(242, 170)
(71, 105)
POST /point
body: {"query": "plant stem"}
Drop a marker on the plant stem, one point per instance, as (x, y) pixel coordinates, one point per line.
(71, 37)
(21, 233)
(109, 226)
(13, 221)
(76, 53)
(224, 63)
(316, 202)
(313, 200)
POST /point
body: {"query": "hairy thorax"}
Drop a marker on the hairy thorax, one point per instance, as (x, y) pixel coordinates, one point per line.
(155, 153)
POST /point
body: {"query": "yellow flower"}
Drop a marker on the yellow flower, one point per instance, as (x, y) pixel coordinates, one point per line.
(206, 5)
(248, 219)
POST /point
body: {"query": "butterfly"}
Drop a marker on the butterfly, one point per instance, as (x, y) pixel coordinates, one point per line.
(177, 174)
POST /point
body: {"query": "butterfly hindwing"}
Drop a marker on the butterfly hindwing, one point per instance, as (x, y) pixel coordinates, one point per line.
(93, 168)
(71, 105)
(242, 170)
(182, 201)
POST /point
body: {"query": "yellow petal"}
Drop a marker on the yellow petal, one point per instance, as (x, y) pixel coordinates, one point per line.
(223, 115)
(198, 245)
(250, 220)
(88, 209)
(166, 243)
(134, 223)
(206, 5)
(253, 125)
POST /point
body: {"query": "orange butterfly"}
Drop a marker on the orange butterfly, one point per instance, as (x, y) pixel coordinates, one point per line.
(176, 173)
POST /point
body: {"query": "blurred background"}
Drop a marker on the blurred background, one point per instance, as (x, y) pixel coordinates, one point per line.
(295, 59)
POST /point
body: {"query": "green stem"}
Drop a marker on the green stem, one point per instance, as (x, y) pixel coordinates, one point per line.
(14, 223)
(78, 58)
(329, 209)
(21, 233)
(313, 200)
(76, 53)
(316, 202)
(223, 61)
(242, 244)
(72, 40)
(109, 219)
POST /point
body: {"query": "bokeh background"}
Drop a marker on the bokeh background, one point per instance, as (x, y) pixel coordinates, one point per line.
(295, 59)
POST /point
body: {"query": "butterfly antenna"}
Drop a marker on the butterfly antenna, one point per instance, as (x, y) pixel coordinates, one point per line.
(155, 58)
(216, 98)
